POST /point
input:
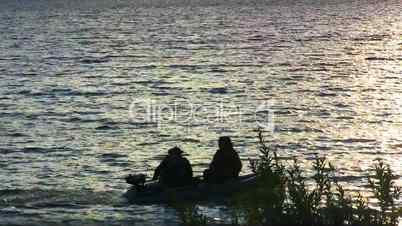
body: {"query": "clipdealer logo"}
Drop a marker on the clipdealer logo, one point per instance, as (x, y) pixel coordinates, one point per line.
(148, 111)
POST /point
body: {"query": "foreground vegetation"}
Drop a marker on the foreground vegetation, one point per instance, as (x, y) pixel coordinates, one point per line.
(285, 196)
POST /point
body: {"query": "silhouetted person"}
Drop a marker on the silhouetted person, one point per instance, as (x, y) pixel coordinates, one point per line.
(174, 170)
(225, 165)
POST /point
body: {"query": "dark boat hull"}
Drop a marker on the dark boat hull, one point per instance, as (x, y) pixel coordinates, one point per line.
(153, 193)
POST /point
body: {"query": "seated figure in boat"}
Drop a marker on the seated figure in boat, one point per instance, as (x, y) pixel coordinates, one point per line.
(225, 165)
(174, 170)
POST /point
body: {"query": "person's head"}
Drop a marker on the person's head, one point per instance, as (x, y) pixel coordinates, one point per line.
(225, 143)
(175, 151)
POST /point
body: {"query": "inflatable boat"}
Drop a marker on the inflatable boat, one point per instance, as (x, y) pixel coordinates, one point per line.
(153, 193)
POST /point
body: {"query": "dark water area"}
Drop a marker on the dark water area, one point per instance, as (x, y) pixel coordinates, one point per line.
(76, 78)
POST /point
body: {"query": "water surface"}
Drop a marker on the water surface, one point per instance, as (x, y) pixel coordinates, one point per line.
(69, 72)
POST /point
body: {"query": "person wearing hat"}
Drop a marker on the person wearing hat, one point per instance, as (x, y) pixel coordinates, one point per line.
(225, 165)
(174, 170)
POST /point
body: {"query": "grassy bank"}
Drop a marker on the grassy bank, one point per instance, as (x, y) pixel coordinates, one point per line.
(285, 196)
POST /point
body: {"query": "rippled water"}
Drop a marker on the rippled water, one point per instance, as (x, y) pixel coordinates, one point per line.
(70, 70)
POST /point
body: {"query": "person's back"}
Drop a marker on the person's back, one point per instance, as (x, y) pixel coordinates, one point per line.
(226, 163)
(174, 170)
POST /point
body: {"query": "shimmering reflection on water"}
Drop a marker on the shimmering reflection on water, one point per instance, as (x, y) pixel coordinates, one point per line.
(69, 72)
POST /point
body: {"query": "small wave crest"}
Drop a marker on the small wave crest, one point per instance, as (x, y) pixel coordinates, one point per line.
(36, 198)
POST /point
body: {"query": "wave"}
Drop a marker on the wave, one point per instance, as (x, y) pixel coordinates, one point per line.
(355, 140)
(38, 198)
(40, 150)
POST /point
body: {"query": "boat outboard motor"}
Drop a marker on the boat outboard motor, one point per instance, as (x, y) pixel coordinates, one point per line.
(137, 180)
